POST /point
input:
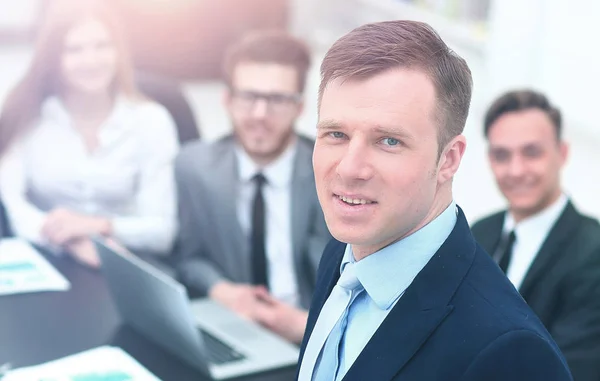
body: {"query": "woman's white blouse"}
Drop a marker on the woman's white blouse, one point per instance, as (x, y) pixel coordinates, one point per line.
(128, 178)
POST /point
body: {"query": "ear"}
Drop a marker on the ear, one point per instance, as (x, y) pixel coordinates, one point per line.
(564, 152)
(300, 108)
(451, 158)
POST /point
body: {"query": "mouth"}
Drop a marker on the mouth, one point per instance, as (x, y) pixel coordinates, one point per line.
(259, 132)
(354, 200)
(96, 72)
(519, 189)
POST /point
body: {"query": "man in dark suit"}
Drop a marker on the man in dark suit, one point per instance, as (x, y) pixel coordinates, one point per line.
(549, 251)
(251, 227)
(404, 292)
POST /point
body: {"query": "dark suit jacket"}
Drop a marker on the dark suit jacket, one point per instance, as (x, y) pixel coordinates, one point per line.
(563, 285)
(460, 319)
(211, 245)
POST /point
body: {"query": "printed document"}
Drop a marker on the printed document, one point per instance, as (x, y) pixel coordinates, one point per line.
(105, 363)
(24, 269)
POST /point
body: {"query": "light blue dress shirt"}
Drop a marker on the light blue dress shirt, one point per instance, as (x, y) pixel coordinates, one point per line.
(385, 276)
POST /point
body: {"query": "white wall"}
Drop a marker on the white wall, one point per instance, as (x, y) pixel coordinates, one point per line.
(551, 45)
(18, 14)
(570, 61)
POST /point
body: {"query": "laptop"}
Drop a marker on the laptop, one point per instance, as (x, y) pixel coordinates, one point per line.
(202, 333)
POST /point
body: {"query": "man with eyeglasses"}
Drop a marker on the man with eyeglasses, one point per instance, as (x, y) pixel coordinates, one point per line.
(251, 227)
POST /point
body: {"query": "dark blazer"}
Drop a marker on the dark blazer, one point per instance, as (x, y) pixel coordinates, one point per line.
(211, 245)
(563, 285)
(460, 319)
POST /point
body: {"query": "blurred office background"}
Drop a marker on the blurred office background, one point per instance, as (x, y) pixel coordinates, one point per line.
(550, 45)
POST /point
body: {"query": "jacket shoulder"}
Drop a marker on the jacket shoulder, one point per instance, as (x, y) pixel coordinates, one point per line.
(486, 223)
(200, 154)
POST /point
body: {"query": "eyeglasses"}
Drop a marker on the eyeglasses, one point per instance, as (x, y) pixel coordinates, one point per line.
(277, 103)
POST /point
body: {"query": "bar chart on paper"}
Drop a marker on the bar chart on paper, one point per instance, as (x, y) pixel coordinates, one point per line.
(108, 376)
(105, 363)
(19, 273)
(24, 269)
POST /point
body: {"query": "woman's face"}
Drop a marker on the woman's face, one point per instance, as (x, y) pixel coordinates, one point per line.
(89, 58)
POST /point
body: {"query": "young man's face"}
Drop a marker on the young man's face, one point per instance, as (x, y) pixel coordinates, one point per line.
(376, 157)
(264, 102)
(526, 158)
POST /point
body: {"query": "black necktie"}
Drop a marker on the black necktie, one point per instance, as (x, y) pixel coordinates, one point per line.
(259, 256)
(505, 249)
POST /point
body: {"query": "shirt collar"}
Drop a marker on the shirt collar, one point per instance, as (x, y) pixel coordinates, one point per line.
(385, 275)
(54, 109)
(539, 224)
(278, 173)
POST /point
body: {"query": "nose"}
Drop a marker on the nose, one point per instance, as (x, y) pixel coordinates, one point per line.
(516, 166)
(260, 108)
(355, 163)
(90, 55)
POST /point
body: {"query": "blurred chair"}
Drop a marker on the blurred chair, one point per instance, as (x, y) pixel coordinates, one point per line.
(5, 230)
(168, 93)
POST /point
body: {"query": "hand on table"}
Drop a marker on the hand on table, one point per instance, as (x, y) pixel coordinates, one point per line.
(62, 226)
(241, 298)
(285, 320)
(84, 252)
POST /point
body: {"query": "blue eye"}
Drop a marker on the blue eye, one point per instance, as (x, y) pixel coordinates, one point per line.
(391, 142)
(337, 135)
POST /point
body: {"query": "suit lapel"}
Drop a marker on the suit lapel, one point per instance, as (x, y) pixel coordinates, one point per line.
(490, 234)
(226, 219)
(300, 202)
(553, 247)
(329, 270)
(422, 308)
(396, 341)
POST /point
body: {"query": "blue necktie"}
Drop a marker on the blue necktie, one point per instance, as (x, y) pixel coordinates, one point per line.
(321, 357)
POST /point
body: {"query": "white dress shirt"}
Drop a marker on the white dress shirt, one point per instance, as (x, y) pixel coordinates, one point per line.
(127, 178)
(530, 236)
(278, 218)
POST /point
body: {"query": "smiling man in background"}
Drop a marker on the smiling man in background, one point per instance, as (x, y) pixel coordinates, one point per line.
(548, 250)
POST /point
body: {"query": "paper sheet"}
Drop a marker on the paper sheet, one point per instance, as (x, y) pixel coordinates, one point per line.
(24, 269)
(100, 364)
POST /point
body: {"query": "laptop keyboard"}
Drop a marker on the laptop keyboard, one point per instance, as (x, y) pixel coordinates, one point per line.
(218, 352)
